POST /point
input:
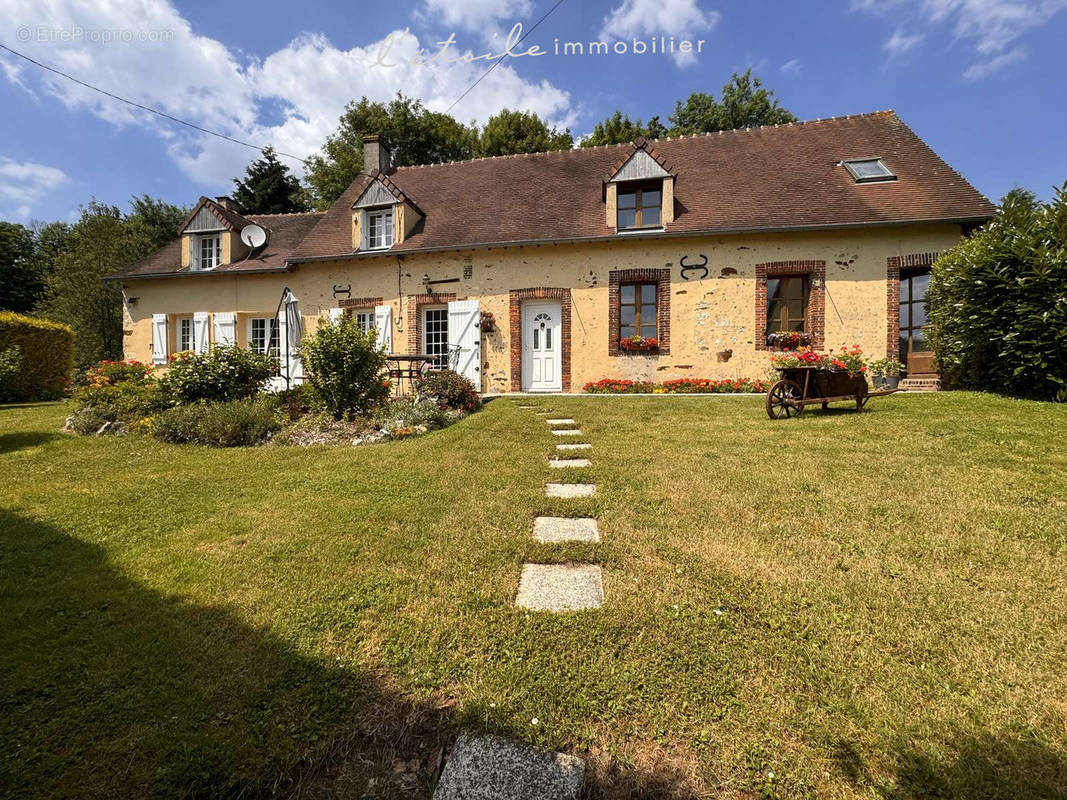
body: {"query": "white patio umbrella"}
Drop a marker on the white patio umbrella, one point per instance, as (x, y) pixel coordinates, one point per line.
(293, 332)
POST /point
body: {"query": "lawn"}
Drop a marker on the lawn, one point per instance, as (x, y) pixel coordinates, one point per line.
(841, 605)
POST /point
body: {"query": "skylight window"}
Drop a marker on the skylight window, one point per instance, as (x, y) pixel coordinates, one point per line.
(869, 170)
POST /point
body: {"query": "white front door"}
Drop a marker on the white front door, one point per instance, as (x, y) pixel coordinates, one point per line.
(541, 349)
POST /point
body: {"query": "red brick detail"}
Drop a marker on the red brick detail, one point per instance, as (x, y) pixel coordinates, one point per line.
(515, 298)
(816, 322)
(893, 266)
(662, 279)
(414, 316)
(360, 302)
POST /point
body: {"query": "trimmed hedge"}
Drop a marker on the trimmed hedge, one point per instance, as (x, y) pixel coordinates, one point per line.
(47, 357)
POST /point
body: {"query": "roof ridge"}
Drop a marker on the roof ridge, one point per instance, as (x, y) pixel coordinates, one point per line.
(286, 214)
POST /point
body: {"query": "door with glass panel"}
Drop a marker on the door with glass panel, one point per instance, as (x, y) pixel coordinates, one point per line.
(435, 335)
(541, 362)
(915, 349)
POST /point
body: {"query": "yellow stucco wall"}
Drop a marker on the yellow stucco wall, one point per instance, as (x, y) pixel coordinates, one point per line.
(708, 316)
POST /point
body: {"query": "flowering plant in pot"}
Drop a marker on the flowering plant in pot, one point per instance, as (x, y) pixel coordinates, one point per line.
(886, 373)
(801, 357)
(488, 322)
(788, 340)
(848, 359)
(638, 343)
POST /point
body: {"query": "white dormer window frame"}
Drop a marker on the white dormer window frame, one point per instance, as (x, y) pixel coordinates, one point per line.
(378, 224)
(208, 250)
(868, 170)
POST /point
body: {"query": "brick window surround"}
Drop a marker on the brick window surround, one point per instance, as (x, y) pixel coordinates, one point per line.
(893, 266)
(360, 302)
(515, 298)
(414, 315)
(816, 313)
(662, 279)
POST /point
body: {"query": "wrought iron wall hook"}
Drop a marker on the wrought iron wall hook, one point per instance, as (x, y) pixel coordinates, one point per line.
(342, 290)
(702, 266)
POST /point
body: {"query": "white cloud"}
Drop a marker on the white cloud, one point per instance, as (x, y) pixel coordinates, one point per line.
(900, 43)
(23, 182)
(682, 19)
(474, 15)
(792, 66)
(983, 69)
(991, 26)
(291, 99)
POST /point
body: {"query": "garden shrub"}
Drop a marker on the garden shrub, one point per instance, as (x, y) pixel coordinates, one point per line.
(449, 389)
(412, 413)
(998, 302)
(236, 423)
(345, 364)
(10, 362)
(47, 356)
(224, 373)
(116, 391)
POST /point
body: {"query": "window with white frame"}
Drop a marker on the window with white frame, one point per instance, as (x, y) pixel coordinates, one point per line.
(262, 335)
(210, 250)
(435, 335)
(185, 334)
(380, 228)
(364, 318)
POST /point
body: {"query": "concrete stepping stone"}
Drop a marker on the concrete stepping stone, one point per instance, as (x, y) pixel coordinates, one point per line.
(576, 446)
(560, 587)
(494, 768)
(569, 490)
(566, 529)
(560, 421)
(570, 432)
(563, 463)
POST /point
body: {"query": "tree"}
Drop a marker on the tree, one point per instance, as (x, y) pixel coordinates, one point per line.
(21, 282)
(618, 129)
(269, 188)
(413, 134)
(745, 103)
(998, 302)
(511, 132)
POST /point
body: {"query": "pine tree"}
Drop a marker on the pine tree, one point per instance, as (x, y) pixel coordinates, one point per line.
(269, 188)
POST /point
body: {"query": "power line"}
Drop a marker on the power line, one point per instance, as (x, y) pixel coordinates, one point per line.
(149, 109)
(497, 62)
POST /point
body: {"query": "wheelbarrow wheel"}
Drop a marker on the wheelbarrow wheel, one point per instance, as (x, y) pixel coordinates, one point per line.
(784, 400)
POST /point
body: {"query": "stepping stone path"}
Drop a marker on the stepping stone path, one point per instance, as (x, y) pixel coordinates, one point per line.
(573, 432)
(560, 587)
(583, 446)
(566, 529)
(495, 768)
(563, 463)
(569, 490)
(564, 421)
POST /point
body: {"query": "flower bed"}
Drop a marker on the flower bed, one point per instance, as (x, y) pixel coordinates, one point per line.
(678, 386)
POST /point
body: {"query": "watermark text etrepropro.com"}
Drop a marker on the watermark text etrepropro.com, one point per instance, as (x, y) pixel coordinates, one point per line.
(76, 33)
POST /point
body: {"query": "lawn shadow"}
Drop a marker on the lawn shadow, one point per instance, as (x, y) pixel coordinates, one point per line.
(10, 442)
(109, 689)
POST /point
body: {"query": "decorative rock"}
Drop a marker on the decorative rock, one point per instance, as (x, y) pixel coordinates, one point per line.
(104, 428)
(561, 421)
(560, 587)
(494, 768)
(566, 529)
(572, 432)
(569, 490)
(582, 446)
(563, 463)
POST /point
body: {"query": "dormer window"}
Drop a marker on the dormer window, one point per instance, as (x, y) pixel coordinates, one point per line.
(868, 170)
(379, 228)
(639, 205)
(210, 250)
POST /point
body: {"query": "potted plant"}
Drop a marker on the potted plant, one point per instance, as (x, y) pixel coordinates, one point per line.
(487, 324)
(892, 373)
(877, 372)
(788, 340)
(638, 344)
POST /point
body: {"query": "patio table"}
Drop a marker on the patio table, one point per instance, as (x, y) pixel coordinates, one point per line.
(408, 366)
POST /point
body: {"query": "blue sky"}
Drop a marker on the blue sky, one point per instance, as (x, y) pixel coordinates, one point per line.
(982, 81)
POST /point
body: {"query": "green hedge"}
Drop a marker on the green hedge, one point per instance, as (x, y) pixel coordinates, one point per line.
(47, 357)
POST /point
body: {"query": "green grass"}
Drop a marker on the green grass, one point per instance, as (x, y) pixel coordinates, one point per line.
(840, 605)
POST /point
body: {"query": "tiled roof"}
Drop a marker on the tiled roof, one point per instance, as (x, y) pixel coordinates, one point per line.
(231, 220)
(774, 177)
(286, 231)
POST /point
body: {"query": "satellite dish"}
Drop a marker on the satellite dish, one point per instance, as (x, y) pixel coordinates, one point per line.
(254, 236)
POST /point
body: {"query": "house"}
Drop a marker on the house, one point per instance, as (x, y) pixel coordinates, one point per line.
(705, 244)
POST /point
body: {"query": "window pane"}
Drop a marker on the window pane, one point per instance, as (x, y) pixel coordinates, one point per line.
(648, 314)
(905, 317)
(626, 294)
(919, 285)
(548, 338)
(918, 314)
(650, 216)
(627, 315)
(904, 344)
(648, 293)
(774, 288)
(627, 200)
(627, 218)
(918, 341)
(905, 289)
(651, 198)
(626, 331)
(648, 331)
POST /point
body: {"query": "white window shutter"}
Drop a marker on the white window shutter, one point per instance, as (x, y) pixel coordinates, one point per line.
(225, 328)
(194, 252)
(200, 332)
(383, 323)
(336, 314)
(464, 332)
(159, 338)
(362, 230)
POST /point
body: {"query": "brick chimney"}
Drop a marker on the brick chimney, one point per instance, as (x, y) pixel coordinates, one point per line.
(375, 154)
(230, 204)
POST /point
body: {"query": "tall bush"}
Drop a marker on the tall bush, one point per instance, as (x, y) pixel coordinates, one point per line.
(46, 356)
(345, 365)
(998, 302)
(226, 372)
